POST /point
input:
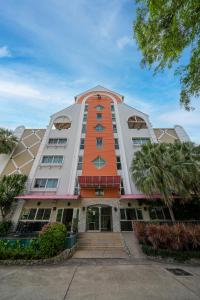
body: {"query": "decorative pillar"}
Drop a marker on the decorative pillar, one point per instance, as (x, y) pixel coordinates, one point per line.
(82, 219)
(116, 218)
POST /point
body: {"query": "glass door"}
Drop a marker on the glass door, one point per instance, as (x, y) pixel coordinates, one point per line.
(106, 215)
(93, 214)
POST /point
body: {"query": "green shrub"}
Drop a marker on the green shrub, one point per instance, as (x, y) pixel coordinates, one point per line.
(52, 239)
(5, 227)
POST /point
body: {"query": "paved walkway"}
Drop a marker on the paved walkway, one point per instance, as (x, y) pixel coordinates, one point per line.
(106, 279)
(132, 245)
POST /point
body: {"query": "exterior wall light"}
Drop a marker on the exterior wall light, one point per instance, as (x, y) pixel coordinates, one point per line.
(129, 204)
(115, 209)
(68, 203)
(83, 208)
(54, 208)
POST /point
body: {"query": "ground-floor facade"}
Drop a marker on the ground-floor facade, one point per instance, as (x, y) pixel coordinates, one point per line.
(92, 215)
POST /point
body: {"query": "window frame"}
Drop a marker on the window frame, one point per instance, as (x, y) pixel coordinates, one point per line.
(140, 141)
(99, 126)
(99, 107)
(100, 162)
(57, 144)
(46, 183)
(28, 219)
(99, 192)
(52, 161)
(99, 145)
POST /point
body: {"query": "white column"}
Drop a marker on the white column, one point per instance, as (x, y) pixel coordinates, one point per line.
(17, 213)
(116, 218)
(82, 220)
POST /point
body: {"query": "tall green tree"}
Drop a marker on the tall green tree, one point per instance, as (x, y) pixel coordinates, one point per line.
(163, 30)
(10, 187)
(7, 141)
(167, 169)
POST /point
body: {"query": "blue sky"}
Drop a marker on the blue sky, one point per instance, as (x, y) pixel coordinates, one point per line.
(52, 50)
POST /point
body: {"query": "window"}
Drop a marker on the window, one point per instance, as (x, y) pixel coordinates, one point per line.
(130, 214)
(99, 107)
(112, 107)
(62, 122)
(114, 128)
(116, 144)
(159, 213)
(40, 183)
(118, 160)
(99, 192)
(122, 191)
(52, 159)
(32, 214)
(80, 163)
(86, 108)
(99, 162)
(99, 142)
(46, 183)
(84, 117)
(84, 128)
(136, 122)
(57, 141)
(99, 116)
(76, 188)
(82, 143)
(51, 183)
(113, 118)
(99, 127)
(140, 141)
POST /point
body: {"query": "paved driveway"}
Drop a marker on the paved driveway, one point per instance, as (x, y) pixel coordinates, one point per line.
(92, 279)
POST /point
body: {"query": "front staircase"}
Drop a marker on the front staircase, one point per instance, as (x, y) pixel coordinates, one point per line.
(106, 241)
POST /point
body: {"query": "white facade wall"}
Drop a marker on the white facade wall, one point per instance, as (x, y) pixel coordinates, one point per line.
(125, 112)
(63, 173)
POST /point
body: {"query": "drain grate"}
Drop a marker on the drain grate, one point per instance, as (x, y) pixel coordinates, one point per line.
(178, 272)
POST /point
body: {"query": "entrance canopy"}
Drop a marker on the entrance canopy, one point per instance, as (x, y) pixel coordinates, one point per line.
(99, 181)
(143, 196)
(47, 197)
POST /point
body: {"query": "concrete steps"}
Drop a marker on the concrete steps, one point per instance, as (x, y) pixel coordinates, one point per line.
(100, 241)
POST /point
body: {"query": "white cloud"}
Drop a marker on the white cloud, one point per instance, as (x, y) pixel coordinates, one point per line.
(181, 117)
(4, 52)
(17, 89)
(124, 41)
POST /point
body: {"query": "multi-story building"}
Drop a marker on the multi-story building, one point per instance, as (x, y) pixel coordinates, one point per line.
(79, 167)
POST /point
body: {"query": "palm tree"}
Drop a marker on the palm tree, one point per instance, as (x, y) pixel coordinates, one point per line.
(7, 141)
(151, 172)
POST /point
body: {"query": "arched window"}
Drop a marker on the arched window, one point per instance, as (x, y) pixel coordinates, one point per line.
(136, 122)
(62, 123)
(99, 127)
(99, 107)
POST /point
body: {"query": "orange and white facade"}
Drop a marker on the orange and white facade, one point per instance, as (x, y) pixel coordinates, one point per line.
(80, 172)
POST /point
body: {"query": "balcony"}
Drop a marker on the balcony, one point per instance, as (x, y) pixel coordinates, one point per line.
(99, 181)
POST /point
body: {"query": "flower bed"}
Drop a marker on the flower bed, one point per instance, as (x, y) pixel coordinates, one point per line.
(177, 241)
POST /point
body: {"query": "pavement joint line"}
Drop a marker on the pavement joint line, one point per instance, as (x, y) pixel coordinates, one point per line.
(69, 285)
(179, 281)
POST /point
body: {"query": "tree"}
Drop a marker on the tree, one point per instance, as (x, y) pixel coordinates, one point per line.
(10, 187)
(167, 169)
(7, 141)
(163, 30)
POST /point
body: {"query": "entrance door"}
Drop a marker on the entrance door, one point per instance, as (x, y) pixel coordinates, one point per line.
(99, 218)
(106, 213)
(67, 218)
(93, 218)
